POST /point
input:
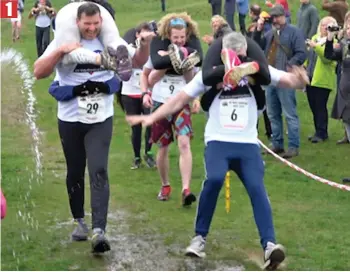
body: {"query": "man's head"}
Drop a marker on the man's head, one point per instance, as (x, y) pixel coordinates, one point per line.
(235, 41)
(254, 11)
(278, 16)
(89, 20)
(144, 27)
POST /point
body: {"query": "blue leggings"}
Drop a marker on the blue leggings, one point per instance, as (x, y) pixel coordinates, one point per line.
(245, 160)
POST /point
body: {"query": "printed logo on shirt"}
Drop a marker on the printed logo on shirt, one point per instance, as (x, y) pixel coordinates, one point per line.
(88, 68)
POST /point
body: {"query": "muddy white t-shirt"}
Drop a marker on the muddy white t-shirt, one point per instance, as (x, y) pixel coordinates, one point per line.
(233, 115)
(92, 108)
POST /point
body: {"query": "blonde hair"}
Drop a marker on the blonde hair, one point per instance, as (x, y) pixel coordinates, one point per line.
(218, 19)
(330, 19)
(164, 27)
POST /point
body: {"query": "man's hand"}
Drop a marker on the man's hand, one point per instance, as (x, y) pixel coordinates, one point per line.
(67, 48)
(146, 37)
(145, 120)
(207, 39)
(163, 53)
(260, 24)
(311, 43)
(196, 106)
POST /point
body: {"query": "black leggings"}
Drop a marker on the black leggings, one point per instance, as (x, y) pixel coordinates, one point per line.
(89, 142)
(133, 106)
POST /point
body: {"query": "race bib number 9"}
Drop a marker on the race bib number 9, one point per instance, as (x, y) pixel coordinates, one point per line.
(91, 109)
(170, 86)
(234, 113)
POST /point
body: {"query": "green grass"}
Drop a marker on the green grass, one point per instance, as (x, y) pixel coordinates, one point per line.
(311, 219)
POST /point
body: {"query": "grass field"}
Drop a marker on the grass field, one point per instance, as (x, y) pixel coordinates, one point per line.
(311, 219)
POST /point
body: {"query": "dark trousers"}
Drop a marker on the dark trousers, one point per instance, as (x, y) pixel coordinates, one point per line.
(87, 143)
(216, 9)
(241, 20)
(230, 18)
(163, 5)
(133, 106)
(318, 98)
(42, 35)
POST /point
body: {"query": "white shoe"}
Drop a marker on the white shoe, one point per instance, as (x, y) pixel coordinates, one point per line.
(274, 256)
(196, 247)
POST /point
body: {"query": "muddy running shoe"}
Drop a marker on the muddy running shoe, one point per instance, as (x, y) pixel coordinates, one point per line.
(196, 247)
(234, 76)
(149, 160)
(81, 231)
(136, 164)
(164, 193)
(107, 60)
(99, 242)
(118, 61)
(274, 256)
(190, 62)
(176, 57)
(187, 197)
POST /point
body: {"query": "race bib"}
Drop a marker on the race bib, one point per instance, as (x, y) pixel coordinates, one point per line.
(234, 113)
(170, 86)
(135, 79)
(91, 109)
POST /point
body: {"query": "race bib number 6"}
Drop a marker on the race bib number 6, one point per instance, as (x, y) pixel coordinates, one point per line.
(91, 109)
(234, 113)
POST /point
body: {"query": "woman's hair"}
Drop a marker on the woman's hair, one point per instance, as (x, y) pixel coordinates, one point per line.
(219, 19)
(177, 21)
(330, 20)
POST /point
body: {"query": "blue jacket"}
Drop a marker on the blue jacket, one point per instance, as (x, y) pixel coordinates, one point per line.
(243, 6)
(65, 93)
(291, 38)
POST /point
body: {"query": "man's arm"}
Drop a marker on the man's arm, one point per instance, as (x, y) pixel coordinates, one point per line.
(213, 68)
(298, 49)
(142, 53)
(329, 6)
(160, 62)
(66, 93)
(314, 21)
(331, 53)
(45, 65)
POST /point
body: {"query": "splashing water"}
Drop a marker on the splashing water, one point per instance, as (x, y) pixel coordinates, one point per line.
(21, 67)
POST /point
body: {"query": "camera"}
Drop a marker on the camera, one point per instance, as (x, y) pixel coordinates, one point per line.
(268, 20)
(153, 26)
(333, 28)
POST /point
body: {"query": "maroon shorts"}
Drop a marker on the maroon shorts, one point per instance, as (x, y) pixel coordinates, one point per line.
(163, 130)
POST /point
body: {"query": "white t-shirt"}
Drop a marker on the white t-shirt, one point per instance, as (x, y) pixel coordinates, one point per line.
(132, 87)
(167, 87)
(232, 116)
(42, 20)
(90, 109)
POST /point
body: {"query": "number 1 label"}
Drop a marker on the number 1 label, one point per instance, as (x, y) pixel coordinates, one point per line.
(8, 9)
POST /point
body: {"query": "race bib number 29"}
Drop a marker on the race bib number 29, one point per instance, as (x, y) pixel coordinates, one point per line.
(234, 113)
(91, 109)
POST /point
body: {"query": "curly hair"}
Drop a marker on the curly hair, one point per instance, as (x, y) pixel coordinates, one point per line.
(164, 27)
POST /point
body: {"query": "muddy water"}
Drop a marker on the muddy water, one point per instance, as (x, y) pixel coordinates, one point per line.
(137, 252)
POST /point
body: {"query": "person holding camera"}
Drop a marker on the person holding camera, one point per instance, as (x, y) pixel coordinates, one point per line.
(342, 53)
(321, 72)
(284, 47)
(42, 12)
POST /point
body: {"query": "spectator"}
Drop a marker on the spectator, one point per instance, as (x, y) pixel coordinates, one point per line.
(284, 47)
(243, 9)
(342, 54)
(42, 12)
(16, 22)
(3, 206)
(284, 3)
(337, 9)
(322, 76)
(215, 7)
(219, 26)
(163, 5)
(308, 18)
